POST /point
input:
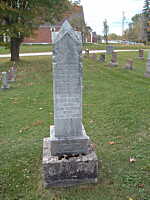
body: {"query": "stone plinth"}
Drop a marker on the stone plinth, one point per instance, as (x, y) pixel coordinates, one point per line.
(72, 145)
(68, 171)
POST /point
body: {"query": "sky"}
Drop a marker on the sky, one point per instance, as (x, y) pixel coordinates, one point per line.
(96, 11)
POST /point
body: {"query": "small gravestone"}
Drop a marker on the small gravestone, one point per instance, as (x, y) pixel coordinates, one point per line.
(109, 49)
(4, 78)
(94, 56)
(141, 54)
(68, 158)
(101, 58)
(129, 64)
(147, 73)
(12, 74)
(113, 62)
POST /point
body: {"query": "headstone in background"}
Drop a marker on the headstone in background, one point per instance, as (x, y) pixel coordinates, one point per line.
(147, 73)
(129, 64)
(94, 56)
(12, 74)
(5, 84)
(113, 62)
(141, 54)
(109, 49)
(101, 58)
(67, 155)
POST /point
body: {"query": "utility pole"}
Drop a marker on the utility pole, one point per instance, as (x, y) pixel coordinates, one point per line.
(123, 22)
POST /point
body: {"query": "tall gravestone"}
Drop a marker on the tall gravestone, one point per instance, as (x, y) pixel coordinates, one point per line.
(147, 73)
(67, 155)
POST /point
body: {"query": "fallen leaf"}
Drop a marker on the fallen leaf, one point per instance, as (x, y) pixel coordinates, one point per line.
(132, 160)
(37, 123)
(141, 185)
(111, 142)
(24, 129)
(93, 146)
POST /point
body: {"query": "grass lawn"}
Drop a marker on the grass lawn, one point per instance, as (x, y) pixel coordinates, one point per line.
(46, 47)
(116, 116)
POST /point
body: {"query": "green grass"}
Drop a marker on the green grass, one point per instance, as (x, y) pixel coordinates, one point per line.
(48, 47)
(116, 109)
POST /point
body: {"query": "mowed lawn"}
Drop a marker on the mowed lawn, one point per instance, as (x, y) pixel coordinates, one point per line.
(116, 116)
(35, 48)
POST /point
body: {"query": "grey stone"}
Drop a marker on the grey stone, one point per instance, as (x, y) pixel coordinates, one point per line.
(12, 74)
(147, 73)
(67, 90)
(109, 49)
(68, 171)
(101, 58)
(129, 64)
(141, 54)
(67, 157)
(5, 84)
(113, 62)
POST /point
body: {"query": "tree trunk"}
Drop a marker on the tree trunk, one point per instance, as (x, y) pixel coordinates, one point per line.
(15, 48)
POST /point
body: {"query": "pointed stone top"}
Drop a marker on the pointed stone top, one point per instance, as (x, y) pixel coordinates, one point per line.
(67, 29)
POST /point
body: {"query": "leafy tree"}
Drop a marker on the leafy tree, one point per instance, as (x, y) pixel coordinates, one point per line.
(114, 36)
(105, 30)
(19, 18)
(135, 32)
(146, 14)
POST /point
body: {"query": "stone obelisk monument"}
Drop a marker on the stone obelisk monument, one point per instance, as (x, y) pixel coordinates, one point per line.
(67, 155)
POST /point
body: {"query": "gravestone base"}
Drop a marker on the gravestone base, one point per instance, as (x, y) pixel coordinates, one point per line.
(5, 88)
(128, 67)
(113, 64)
(141, 58)
(67, 146)
(147, 74)
(68, 171)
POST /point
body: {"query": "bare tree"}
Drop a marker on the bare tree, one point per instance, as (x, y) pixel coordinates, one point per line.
(105, 30)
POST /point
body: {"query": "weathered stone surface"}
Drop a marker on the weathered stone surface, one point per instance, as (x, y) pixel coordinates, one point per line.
(101, 58)
(68, 171)
(67, 156)
(129, 64)
(12, 74)
(5, 84)
(141, 54)
(109, 49)
(69, 145)
(67, 90)
(147, 73)
(113, 62)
